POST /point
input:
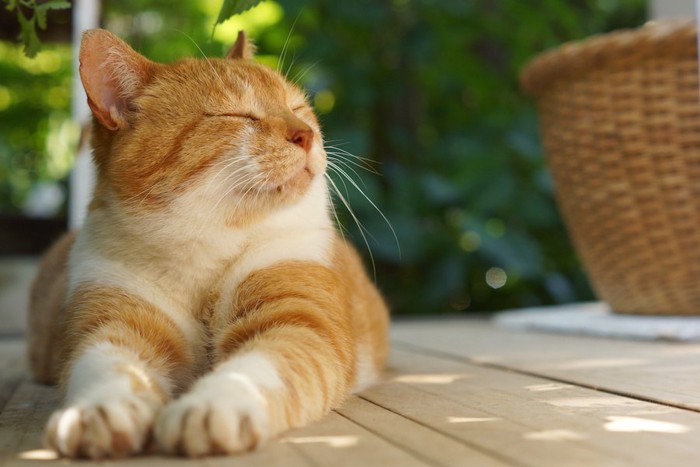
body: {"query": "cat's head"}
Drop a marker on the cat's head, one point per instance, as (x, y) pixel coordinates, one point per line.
(230, 133)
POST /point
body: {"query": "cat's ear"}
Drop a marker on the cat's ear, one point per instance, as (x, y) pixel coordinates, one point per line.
(113, 74)
(243, 48)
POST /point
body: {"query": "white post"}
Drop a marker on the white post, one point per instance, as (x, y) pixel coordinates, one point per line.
(86, 15)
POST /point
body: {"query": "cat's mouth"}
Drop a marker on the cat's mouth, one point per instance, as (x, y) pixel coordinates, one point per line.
(299, 181)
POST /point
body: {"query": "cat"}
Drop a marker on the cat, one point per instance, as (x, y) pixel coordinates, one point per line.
(208, 302)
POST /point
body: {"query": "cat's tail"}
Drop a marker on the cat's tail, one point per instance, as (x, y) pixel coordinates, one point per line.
(47, 312)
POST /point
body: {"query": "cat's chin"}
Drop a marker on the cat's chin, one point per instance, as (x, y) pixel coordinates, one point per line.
(295, 186)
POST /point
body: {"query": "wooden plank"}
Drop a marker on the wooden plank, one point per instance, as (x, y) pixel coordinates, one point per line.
(532, 421)
(22, 420)
(16, 276)
(659, 371)
(273, 454)
(21, 431)
(334, 440)
(421, 441)
(12, 367)
(337, 441)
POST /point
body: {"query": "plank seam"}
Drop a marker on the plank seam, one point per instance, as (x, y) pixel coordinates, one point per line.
(309, 460)
(14, 385)
(413, 453)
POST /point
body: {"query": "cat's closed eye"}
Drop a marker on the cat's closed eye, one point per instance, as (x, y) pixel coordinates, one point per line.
(244, 115)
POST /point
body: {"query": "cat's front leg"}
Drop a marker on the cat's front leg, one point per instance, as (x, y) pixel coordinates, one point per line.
(285, 353)
(121, 352)
(226, 412)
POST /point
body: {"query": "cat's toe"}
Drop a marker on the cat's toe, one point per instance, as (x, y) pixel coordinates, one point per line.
(109, 429)
(198, 426)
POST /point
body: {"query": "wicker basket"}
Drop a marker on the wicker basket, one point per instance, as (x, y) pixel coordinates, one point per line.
(620, 121)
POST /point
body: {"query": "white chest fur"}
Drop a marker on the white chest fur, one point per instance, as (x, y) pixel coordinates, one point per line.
(173, 262)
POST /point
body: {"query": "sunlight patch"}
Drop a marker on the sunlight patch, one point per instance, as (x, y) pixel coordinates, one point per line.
(589, 402)
(547, 387)
(471, 419)
(638, 425)
(38, 455)
(428, 379)
(332, 441)
(554, 435)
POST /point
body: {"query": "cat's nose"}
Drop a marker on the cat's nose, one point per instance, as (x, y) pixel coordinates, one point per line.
(302, 137)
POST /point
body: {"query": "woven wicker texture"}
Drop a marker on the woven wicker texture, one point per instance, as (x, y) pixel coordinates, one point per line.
(620, 123)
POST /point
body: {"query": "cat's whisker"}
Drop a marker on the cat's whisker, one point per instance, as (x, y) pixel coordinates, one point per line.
(340, 162)
(228, 177)
(283, 54)
(349, 154)
(347, 161)
(141, 196)
(337, 140)
(341, 172)
(300, 75)
(256, 181)
(341, 228)
(250, 182)
(212, 212)
(349, 166)
(146, 195)
(197, 230)
(360, 226)
(333, 167)
(289, 68)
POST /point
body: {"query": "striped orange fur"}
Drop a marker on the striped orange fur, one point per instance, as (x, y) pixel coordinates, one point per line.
(208, 303)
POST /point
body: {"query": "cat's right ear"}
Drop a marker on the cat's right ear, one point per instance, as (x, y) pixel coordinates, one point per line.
(243, 48)
(113, 74)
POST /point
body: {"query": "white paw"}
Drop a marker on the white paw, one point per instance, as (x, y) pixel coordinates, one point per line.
(110, 428)
(212, 420)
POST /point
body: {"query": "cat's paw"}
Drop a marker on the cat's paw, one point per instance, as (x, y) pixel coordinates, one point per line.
(108, 429)
(213, 420)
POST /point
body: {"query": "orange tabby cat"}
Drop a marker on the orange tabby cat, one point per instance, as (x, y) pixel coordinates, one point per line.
(208, 301)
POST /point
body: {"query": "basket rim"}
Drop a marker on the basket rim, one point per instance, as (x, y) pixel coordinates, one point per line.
(668, 38)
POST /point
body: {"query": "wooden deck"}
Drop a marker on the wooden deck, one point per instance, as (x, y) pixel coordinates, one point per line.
(458, 392)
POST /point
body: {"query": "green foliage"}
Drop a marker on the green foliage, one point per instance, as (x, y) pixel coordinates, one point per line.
(37, 138)
(427, 89)
(36, 18)
(231, 8)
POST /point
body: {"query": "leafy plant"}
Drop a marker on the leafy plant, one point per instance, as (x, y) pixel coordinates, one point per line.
(37, 13)
(427, 89)
(35, 17)
(231, 8)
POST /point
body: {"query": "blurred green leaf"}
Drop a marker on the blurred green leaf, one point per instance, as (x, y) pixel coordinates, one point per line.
(54, 5)
(40, 11)
(28, 35)
(231, 8)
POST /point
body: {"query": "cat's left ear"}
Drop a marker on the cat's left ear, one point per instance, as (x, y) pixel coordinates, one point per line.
(113, 75)
(243, 48)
